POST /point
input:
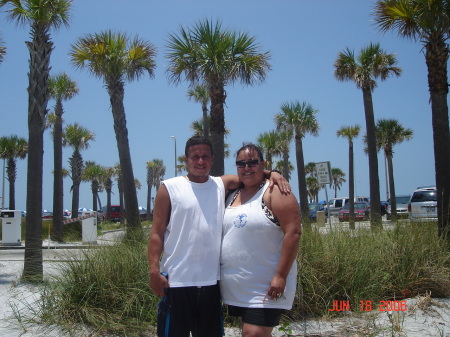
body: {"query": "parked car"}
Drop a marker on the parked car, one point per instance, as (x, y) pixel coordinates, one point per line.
(401, 202)
(315, 207)
(362, 211)
(335, 204)
(422, 206)
(47, 214)
(115, 213)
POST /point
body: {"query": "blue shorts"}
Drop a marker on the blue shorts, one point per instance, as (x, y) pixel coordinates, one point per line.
(267, 317)
(194, 309)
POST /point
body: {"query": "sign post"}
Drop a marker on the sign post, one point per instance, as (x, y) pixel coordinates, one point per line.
(323, 170)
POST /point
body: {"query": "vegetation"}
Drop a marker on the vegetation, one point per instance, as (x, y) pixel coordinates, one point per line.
(11, 149)
(390, 132)
(41, 16)
(106, 289)
(299, 118)
(115, 58)
(61, 88)
(372, 63)
(350, 132)
(213, 57)
(428, 22)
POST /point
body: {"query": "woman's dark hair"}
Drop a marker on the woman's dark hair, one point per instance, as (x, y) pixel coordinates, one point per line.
(197, 140)
(251, 147)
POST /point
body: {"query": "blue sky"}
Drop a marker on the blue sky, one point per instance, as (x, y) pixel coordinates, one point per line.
(304, 38)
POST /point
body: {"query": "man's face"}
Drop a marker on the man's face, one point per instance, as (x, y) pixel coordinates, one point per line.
(199, 161)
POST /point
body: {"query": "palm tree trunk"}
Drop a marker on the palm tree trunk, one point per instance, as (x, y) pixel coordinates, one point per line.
(206, 130)
(76, 166)
(436, 58)
(286, 172)
(302, 188)
(375, 205)
(116, 94)
(40, 50)
(58, 194)
(392, 186)
(12, 172)
(351, 186)
(149, 198)
(218, 97)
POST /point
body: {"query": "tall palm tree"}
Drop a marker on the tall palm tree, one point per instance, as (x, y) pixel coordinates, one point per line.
(200, 94)
(310, 169)
(350, 132)
(208, 55)
(428, 22)
(41, 16)
(337, 179)
(285, 138)
(78, 138)
(115, 58)
(2, 49)
(299, 118)
(390, 132)
(93, 173)
(11, 149)
(269, 142)
(61, 88)
(372, 63)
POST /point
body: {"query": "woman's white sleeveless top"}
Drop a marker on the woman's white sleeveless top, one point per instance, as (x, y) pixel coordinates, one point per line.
(251, 250)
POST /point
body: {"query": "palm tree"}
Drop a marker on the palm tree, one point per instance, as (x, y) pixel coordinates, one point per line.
(2, 49)
(313, 188)
(350, 132)
(280, 165)
(11, 149)
(115, 58)
(299, 118)
(285, 138)
(310, 169)
(269, 143)
(428, 22)
(41, 16)
(200, 94)
(214, 57)
(93, 173)
(78, 138)
(108, 174)
(155, 172)
(61, 88)
(372, 63)
(337, 178)
(390, 132)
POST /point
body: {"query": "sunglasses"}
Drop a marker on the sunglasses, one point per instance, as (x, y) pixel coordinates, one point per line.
(249, 163)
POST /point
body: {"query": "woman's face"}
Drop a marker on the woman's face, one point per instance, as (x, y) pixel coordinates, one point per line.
(250, 168)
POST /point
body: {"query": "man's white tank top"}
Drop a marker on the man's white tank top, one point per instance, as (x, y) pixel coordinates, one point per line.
(191, 254)
(251, 251)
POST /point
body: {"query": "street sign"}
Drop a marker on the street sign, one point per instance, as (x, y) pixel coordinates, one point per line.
(323, 170)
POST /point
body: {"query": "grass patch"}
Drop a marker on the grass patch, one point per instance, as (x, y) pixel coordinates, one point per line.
(107, 289)
(370, 265)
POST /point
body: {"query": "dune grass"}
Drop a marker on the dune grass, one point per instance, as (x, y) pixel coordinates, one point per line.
(107, 288)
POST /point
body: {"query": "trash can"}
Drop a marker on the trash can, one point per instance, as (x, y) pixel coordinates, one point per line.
(11, 227)
(89, 227)
(320, 218)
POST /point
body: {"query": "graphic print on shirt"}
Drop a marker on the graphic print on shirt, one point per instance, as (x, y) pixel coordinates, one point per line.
(241, 220)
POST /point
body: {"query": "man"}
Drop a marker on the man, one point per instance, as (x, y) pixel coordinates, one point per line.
(187, 232)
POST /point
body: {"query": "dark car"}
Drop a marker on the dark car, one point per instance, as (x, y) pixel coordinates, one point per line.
(315, 207)
(362, 211)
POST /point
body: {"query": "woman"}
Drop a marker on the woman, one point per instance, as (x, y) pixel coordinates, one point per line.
(259, 247)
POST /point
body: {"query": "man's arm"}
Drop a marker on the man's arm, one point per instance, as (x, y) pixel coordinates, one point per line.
(161, 217)
(231, 182)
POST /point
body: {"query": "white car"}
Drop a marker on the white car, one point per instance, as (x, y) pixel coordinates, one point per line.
(422, 206)
(401, 202)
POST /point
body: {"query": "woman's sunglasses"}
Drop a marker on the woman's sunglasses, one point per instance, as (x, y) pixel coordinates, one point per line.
(249, 163)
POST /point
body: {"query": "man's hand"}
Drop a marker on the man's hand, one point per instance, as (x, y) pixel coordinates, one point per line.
(158, 283)
(277, 179)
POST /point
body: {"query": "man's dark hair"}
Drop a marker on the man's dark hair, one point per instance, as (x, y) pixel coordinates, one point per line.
(197, 140)
(251, 147)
